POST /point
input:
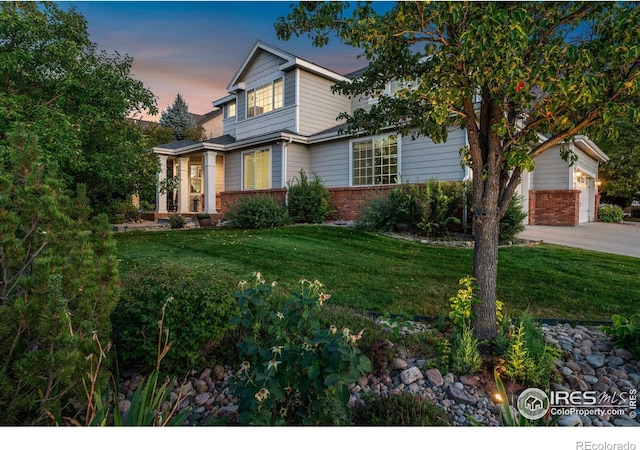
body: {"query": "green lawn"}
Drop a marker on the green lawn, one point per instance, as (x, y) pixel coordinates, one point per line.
(377, 273)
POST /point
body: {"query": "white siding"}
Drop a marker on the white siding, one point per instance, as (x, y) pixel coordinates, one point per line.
(551, 172)
(330, 161)
(319, 107)
(422, 159)
(264, 66)
(297, 158)
(233, 168)
(277, 120)
(586, 163)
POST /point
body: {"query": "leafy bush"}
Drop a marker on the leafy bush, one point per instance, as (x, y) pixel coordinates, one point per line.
(308, 201)
(513, 221)
(461, 312)
(295, 371)
(58, 285)
(402, 409)
(431, 208)
(529, 359)
(176, 221)
(610, 213)
(465, 356)
(196, 317)
(626, 332)
(257, 211)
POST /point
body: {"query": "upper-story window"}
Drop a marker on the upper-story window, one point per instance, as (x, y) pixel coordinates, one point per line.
(230, 109)
(392, 88)
(265, 98)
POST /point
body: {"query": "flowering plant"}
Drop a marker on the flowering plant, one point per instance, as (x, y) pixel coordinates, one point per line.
(294, 372)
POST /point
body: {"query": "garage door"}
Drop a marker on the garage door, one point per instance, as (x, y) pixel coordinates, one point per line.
(582, 184)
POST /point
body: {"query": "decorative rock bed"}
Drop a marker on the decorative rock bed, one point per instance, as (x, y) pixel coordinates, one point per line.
(591, 363)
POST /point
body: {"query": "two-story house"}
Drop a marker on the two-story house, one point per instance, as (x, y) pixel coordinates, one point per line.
(280, 117)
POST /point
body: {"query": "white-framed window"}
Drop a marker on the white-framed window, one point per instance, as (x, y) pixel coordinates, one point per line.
(375, 161)
(392, 88)
(256, 167)
(230, 109)
(195, 178)
(265, 98)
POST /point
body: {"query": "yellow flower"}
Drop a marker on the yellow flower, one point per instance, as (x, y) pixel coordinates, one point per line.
(280, 315)
(261, 395)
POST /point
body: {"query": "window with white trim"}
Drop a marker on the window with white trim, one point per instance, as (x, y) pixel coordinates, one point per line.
(230, 109)
(265, 98)
(257, 169)
(375, 161)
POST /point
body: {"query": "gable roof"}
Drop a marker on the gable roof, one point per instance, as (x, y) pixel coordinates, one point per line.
(290, 62)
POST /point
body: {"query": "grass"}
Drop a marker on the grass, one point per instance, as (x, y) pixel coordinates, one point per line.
(371, 272)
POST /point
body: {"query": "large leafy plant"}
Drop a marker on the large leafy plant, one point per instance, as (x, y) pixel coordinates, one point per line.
(294, 371)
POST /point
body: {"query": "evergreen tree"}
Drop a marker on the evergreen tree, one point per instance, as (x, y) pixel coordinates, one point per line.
(178, 118)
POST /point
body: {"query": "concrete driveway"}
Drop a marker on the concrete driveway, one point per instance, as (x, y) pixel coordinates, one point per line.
(616, 238)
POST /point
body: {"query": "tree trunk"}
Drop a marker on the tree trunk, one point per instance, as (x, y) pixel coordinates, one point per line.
(485, 271)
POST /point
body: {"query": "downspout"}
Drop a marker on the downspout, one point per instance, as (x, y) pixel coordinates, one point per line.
(285, 146)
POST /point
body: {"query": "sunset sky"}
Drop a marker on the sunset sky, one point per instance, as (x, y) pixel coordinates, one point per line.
(194, 48)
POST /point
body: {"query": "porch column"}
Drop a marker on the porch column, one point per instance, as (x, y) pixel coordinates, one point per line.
(161, 198)
(183, 190)
(209, 182)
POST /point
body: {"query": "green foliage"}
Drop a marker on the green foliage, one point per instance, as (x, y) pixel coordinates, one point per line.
(610, 213)
(308, 201)
(58, 285)
(461, 312)
(257, 211)
(196, 317)
(430, 208)
(178, 118)
(513, 221)
(176, 221)
(465, 356)
(529, 359)
(626, 332)
(295, 371)
(513, 58)
(402, 409)
(75, 99)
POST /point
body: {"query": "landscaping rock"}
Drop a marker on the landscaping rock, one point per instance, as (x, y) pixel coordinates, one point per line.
(434, 377)
(411, 375)
(460, 396)
(595, 361)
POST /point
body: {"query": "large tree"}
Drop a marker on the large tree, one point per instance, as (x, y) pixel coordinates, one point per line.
(178, 118)
(74, 98)
(520, 77)
(621, 174)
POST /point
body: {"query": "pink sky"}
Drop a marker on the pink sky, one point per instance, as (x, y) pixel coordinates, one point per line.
(194, 48)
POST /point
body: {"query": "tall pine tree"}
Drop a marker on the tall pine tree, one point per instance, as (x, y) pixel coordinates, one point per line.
(178, 118)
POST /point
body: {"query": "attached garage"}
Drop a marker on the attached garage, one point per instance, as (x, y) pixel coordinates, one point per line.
(562, 194)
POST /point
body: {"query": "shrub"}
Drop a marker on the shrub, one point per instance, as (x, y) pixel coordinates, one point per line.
(176, 221)
(257, 211)
(295, 371)
(529, 359)
(465, 356)
(431, 208)
(58, 285)
(402, 409)
(196, 317)
(513, 221)
(626, 332)
(308, 201)
(610, 213)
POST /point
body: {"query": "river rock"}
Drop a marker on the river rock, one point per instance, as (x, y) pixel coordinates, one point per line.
(595, 361)
(434, 377)
(411, 375)
(460, 396)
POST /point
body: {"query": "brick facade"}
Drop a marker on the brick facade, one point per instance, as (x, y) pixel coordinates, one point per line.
(228, 198)
(554, 207)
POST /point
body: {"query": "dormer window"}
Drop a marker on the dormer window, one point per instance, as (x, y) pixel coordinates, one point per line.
(265, 98)
(230, 109)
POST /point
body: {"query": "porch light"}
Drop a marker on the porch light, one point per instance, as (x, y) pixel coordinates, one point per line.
(598, 183)
(577, 173)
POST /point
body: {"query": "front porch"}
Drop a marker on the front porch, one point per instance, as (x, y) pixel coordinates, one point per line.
(189, 184)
